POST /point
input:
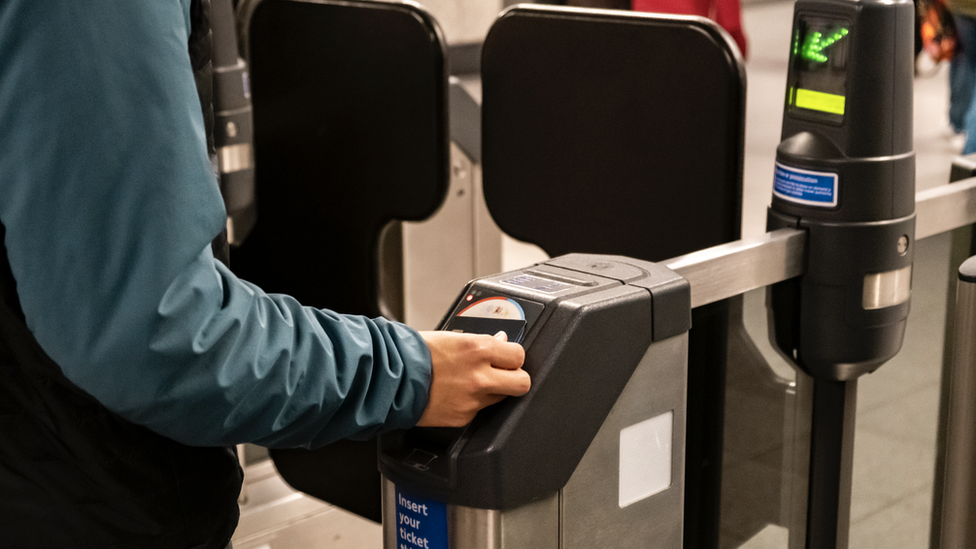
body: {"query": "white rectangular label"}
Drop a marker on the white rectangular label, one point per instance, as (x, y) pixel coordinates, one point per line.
(645, 459)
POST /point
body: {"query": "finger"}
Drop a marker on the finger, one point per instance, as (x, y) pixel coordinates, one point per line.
(506, 356)
(501, 336)
(508, 382)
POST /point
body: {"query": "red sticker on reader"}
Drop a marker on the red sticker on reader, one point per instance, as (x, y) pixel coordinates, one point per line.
(494, 307)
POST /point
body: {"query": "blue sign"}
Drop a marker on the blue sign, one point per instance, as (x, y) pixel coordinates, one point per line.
(805, 186)
(421, 523)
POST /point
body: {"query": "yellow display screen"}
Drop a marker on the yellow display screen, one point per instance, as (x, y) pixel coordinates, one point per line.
(821, 47)
(820, 101)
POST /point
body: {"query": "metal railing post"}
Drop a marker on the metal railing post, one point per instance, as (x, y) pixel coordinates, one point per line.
(957, 521)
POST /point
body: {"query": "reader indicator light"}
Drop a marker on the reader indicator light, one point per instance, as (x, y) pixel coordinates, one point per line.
(816, 42)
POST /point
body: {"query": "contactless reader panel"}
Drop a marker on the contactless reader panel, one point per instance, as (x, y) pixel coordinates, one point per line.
(845, 171)
(587, 323)
(482, 311)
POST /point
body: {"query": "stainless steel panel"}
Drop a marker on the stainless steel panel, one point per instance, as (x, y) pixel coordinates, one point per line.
(458, 243)
(535, 525)
(389, 515)
(591, 515)
(958, 515)
(487, 235)
(531, 526)
(234, 158)
(887, 289)
(472, 528)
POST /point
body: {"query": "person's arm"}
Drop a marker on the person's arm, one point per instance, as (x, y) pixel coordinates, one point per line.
(110, 204)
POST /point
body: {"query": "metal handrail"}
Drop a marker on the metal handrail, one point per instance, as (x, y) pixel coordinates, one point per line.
(731, 269)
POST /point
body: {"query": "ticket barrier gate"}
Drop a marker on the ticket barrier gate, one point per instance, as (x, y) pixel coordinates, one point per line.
(283, 180)
(514, 477)
(714, 274)
(417, 486)
(792, 238)
(595, 450)
(864, 156)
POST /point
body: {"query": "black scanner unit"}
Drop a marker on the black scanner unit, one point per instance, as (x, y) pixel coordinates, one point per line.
(846, 173)
(585, 322)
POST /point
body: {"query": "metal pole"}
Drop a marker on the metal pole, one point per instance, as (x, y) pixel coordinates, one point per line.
(831, 464)
(958, 517)
(944, 208)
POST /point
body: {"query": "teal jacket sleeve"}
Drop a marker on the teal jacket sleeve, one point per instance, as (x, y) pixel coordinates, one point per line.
(110, 204)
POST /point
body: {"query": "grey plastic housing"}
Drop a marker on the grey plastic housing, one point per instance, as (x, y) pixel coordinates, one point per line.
(580, 352)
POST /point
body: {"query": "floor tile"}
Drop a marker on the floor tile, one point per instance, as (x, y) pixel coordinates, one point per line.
(903, 525)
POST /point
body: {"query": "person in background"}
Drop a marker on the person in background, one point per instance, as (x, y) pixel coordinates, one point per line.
(131, 361)
(962, 71)
(727, 13)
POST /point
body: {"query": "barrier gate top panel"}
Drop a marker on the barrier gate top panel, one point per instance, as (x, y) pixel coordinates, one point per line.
(350, 122)
(350, 116)
(568, 97)
(622, 133)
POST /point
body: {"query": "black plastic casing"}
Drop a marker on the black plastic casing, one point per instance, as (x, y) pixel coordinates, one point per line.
(580, 352)
(819, 320)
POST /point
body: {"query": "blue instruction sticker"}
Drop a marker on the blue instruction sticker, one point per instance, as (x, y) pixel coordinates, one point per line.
(421, 522)
(805, 186)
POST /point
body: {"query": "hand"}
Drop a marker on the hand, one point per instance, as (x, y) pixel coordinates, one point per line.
(470, 372)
